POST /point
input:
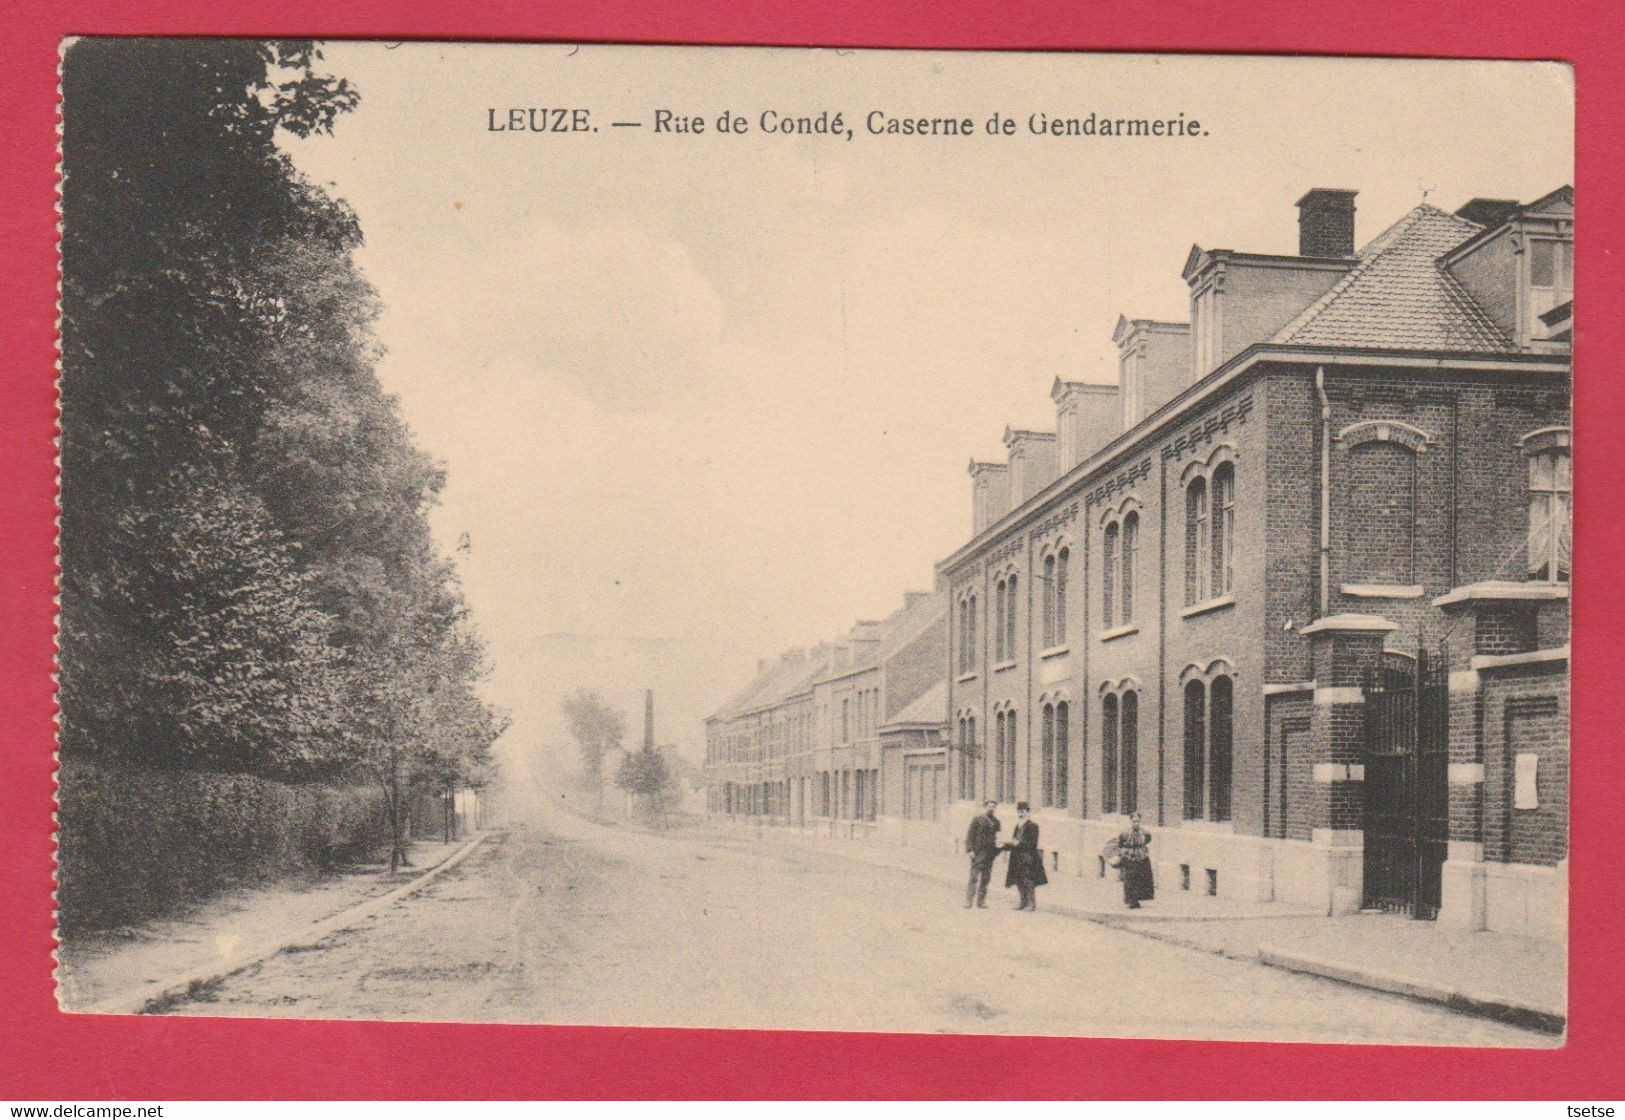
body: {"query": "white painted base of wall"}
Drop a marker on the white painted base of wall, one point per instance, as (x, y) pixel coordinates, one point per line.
(1518, 898)
(1322, 874)
(904, 833)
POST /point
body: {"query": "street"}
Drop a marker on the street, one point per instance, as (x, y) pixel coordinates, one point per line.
(569, 922)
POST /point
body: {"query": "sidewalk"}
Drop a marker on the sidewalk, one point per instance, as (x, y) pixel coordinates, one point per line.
(119, 966)
(1515, 979)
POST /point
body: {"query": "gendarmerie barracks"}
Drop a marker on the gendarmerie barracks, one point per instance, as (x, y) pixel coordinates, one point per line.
(1295, 589)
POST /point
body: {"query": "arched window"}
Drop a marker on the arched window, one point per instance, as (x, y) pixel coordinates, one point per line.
(1108, 754)
(971, 656)
(1063, 749)
(998, 757)
(1209, 738)
(1381, 536)
(1131, 548)
(1108, 578)
(1224, 529)
(959, 742)
(1551, 492)
(1010, 622)
(972, 750)
(998, 621)
(1061, 559)
(1195, 750)
(1010, 753)
(1198, 555)
(1047, 763)
(964, 634)
(963, 742)
(1049, 601)
(1219, 755)
(1129, 750)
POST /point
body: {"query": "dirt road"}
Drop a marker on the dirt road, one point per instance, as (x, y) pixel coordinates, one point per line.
(565, 921)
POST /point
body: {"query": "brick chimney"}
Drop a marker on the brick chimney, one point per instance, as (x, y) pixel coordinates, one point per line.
(1326, 223)
(648, 719)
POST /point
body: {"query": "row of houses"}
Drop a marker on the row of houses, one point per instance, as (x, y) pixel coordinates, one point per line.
(1294, 589)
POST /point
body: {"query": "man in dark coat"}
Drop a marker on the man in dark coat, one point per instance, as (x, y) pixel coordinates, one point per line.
(1026, 871)
(982, 842)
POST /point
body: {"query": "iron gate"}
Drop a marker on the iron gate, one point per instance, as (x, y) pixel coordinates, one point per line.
(1407, 799)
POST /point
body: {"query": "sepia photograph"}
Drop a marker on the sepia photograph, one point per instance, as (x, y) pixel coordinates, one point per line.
(993, 543)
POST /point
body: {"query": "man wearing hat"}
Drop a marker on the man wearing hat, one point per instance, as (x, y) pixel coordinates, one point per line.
(1026, 872)
(982, 842)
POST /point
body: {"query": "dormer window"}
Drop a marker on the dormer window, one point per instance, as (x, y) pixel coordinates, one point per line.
(1128, 377)
(1205, 332)
(1551, 280)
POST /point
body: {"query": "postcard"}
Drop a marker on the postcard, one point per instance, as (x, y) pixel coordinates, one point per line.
(842, 540)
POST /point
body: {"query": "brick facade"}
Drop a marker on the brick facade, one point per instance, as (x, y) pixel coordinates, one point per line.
(1426, 491)
(1313, 479)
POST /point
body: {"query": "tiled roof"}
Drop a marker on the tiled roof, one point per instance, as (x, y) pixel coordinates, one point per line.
(1399, 297)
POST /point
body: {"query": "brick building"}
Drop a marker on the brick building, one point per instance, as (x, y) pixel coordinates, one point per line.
(1295, 589)
(805, 743)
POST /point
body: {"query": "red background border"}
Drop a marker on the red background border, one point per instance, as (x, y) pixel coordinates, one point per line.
(47, 1055)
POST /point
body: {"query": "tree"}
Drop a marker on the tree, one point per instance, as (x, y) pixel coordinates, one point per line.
(249, 578)
(597, 729)
(644, 774)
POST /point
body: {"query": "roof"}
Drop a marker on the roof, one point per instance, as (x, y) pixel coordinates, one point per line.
(1398, 296)
(775, 684)
(931, 708)
(910, 621)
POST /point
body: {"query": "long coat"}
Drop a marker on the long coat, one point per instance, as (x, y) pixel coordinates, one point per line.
(1138, 885)
(1026, 858)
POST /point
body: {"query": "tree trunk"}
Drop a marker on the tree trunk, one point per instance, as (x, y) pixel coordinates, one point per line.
(397, 822)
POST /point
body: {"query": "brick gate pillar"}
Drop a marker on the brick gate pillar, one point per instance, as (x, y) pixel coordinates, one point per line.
(1483, 620)
(1342, 647)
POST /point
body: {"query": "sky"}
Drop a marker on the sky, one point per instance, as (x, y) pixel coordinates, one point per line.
(703, 398)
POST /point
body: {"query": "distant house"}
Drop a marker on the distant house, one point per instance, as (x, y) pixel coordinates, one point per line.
(805, 743)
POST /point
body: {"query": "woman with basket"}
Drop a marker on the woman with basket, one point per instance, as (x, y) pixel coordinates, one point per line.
(1130, 854)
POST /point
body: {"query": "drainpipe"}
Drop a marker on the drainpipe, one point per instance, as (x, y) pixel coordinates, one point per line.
(1033, 634)
(1162, 642)
(1325, 492)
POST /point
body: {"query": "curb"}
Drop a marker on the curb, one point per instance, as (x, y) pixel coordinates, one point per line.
(181, 985)
(1501, 1008)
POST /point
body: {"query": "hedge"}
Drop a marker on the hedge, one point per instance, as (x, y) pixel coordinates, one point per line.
(135, 843)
